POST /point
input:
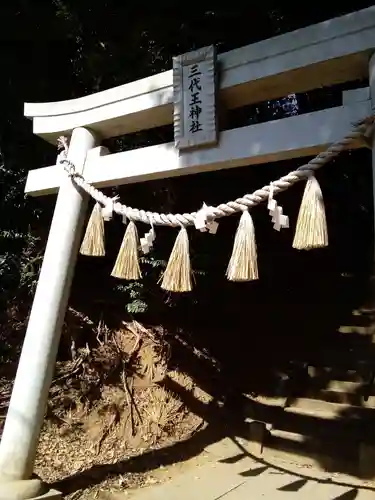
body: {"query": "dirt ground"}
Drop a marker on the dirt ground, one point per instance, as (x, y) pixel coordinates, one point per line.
(110, 415)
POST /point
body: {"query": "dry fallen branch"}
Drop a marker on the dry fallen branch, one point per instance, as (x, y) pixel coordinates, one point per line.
(72, 371)
(129, 394)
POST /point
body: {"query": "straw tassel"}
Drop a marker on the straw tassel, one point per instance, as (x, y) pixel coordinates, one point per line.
(243, 265)
(127, 265)
(311, 230)
(93, 241)
(177, 275)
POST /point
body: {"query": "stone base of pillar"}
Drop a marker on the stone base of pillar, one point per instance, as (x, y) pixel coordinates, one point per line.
(27, 489)
(51, 495)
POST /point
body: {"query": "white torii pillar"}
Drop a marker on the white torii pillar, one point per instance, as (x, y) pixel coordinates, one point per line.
(36, 366)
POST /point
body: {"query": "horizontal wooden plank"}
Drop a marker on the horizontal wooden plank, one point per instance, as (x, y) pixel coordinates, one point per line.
(293, 137)
(331, 52)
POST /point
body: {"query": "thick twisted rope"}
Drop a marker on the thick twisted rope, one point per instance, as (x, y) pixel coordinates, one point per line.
(231, 207)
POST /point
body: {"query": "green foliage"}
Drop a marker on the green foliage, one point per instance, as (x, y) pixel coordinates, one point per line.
(136, 307)
(17, 244)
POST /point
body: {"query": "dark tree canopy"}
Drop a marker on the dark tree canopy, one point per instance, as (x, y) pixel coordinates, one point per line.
(62, 49)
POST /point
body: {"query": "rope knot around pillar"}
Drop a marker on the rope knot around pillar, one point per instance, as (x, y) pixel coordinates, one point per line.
(69, 167)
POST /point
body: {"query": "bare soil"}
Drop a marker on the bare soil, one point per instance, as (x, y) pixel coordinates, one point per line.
(107, 406)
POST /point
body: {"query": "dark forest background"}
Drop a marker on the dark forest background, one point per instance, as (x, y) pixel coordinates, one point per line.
(61, 49)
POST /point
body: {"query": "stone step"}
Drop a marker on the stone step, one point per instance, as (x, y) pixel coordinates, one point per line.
(344, 392)
(274, 401)
(367, 330)
(292, 443)
(314, 417)
(336, 391)
(343, 386)
(353, 360)
(370, 402)
(337, 449)
(339, 373)
(292, 437)
(301, 439)
(327, 410)
(280, 439)
(266, 406)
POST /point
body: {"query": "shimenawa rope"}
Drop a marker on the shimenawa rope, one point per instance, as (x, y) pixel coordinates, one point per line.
(311, 230)
(231, 207)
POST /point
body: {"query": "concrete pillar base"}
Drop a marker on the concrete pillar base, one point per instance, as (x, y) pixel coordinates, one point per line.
(50, 495)
(27, 489)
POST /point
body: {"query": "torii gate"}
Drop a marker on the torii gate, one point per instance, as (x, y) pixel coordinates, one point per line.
(335, 51)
